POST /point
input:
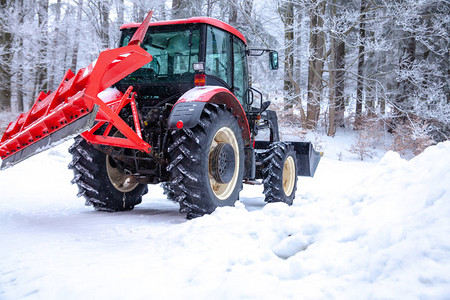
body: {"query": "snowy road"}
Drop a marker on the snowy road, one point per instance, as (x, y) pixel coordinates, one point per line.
(357, 230)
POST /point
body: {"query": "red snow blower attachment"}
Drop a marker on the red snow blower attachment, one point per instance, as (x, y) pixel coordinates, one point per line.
(72, 108)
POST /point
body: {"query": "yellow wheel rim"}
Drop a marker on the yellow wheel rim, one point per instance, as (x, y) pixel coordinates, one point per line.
(288, 176)
(122, 182)
(223, 190)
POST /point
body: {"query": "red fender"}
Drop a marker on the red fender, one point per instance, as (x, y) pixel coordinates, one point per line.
(190, 105)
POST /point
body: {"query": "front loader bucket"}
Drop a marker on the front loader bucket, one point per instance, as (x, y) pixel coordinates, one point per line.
(307, 158)
(72, 108)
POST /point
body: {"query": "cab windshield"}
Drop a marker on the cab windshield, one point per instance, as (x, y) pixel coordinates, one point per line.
(173, 50)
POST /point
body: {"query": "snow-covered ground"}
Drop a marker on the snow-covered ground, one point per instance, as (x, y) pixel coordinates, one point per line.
(377, 229)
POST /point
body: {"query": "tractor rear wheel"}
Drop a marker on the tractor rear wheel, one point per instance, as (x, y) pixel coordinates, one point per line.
(100, 181)
(280, 173)
(207, 163)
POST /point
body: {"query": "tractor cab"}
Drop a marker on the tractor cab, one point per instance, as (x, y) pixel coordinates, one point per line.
(188, 53)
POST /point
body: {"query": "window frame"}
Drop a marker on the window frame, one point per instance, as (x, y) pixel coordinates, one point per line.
(234, 39)
(230, 36)
(244, 101)
(170, 28)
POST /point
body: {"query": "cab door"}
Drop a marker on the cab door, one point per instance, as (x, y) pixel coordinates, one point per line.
(218, 60)
(240, 76)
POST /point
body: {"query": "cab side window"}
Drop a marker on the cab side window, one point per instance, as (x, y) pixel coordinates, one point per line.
(218, 60)
(240, 81)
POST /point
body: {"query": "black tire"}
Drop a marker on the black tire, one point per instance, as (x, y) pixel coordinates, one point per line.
(196, 185)
(89, 166)
(168, 191)
(280, 173)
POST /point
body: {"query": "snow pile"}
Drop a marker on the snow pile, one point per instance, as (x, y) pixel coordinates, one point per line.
(385, 237)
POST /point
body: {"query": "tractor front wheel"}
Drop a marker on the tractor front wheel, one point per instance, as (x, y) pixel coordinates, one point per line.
(207, 162)
(280, 173)
(100, 181)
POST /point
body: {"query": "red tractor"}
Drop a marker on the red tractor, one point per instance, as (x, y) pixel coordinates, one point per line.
(179, 111)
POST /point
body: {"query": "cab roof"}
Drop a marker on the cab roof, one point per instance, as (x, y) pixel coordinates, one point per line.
(205, 20)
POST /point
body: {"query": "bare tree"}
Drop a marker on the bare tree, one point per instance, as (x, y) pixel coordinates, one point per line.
(287, 11)
(120, 9)
(55, 45)
(17, 84)
(5, 55)
(340, 83)
(332, 79)
(316, 63)
(74, 62)
(233, 13)
(361, 56)
(104, 8)
(42, 53)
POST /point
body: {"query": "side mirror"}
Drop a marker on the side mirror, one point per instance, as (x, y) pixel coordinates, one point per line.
(273, 60)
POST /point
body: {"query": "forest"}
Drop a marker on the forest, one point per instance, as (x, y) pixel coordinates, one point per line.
(375, 66)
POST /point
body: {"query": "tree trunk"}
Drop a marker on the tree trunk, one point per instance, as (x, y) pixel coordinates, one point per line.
(332, 80)
(20, 82)
(41, 63)
(233, 13)
(298, 47)
(51, 77)
(382, 103)
(74, 63)
(142, 12)
(405, 87)
(296, 77)
(120, 8)
(370, 100)
(176, 9)
(17, 88)
(340, 84)
(289, 96)
(104, 23)
(138, 10)
(315, 69)
(6, 58)
(361, 54)
(332, 101)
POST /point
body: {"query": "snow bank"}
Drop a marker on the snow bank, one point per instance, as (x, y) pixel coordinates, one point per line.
(385, 237)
